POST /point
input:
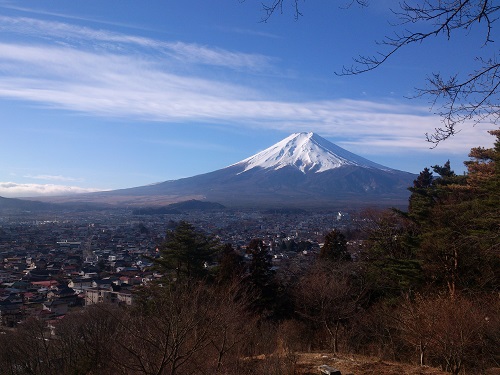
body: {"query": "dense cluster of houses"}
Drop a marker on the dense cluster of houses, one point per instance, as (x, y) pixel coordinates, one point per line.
(50, 267)
(51, 292)
(45, 276)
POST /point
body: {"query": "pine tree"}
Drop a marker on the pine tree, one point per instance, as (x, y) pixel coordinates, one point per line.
(261, 278)
(459, 231)
(260, 269)
(186, 252)
(389, 256)
(422, 198)
(335, 247)
(231, 265)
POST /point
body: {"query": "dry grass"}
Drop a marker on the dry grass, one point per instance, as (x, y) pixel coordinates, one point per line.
(307, 364)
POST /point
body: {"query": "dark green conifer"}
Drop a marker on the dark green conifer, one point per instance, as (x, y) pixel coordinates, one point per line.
(231, 265)
(335, 247)
(261, 280)
(186, 252)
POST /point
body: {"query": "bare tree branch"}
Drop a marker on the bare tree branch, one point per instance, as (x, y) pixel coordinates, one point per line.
(271, 7)
(471, 97)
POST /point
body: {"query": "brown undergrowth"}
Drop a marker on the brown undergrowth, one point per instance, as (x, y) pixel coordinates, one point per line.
(307, 364)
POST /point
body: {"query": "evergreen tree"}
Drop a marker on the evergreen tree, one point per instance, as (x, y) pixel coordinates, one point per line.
(261, 278)
(389, 257)
(335, 247)
(444, 171)
(458, 227)
(186, 252)
(231, 265)
(481, 214)
(422, 198)
(424, 179)
(429, 191)
(261, 274)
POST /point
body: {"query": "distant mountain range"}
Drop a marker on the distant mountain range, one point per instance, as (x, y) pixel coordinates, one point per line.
(303, 170)
(16, 205)
(7, 204)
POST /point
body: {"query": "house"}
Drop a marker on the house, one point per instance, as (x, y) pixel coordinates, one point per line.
(47, 284)
(125, 297)
(97, 295)
(59, 291)
(134, 280)
(57, 306)
(103, 284)
(80, 284)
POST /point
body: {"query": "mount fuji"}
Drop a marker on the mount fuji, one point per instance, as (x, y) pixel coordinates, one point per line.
(303, 170)
(307, 152)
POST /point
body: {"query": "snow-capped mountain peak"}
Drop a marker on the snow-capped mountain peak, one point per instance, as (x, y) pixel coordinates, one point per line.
(284, 175)
(307, 152)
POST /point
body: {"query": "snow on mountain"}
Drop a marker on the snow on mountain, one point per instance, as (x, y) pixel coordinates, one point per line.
(307, 152)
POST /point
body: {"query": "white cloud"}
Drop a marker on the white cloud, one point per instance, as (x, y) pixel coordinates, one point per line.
(14, 190)
(80, 36)
(250, 32)
(48, 177)
(193, 145)
(117, 75)
(459, 144)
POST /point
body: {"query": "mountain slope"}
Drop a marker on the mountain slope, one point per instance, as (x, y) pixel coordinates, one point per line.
(303, 170)
(13, 204)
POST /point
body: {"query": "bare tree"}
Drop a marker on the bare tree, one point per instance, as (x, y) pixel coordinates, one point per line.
(328, 298)
(450, 332)
(29, 350)
(458, 98)
(231, 324)
(416, 322)
(85, 340)
(183, 330)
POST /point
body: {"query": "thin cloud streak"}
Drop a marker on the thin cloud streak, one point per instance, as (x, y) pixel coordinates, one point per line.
(250, 32)
(85, 36)
(470, 136)
(66, 16)
(48, 177)
(191, 145)
(16, 190)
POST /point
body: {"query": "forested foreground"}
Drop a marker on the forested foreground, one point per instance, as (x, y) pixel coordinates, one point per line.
(421, 287)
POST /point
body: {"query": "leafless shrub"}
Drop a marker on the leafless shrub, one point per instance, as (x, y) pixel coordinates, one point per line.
(454, 333)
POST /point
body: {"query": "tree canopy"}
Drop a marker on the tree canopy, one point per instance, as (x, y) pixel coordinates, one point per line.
(335, 247)
(186, 252)
(457, 219)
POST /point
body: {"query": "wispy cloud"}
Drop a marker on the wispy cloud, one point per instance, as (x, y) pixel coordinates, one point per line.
(460, 144)
(205, 146)
(38, 12)
(249, 32)
(48, 177)
(13, 189)
(80, 36)
(98, 72)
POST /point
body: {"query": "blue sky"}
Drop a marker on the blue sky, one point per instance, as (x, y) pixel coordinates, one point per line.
(98, 95)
